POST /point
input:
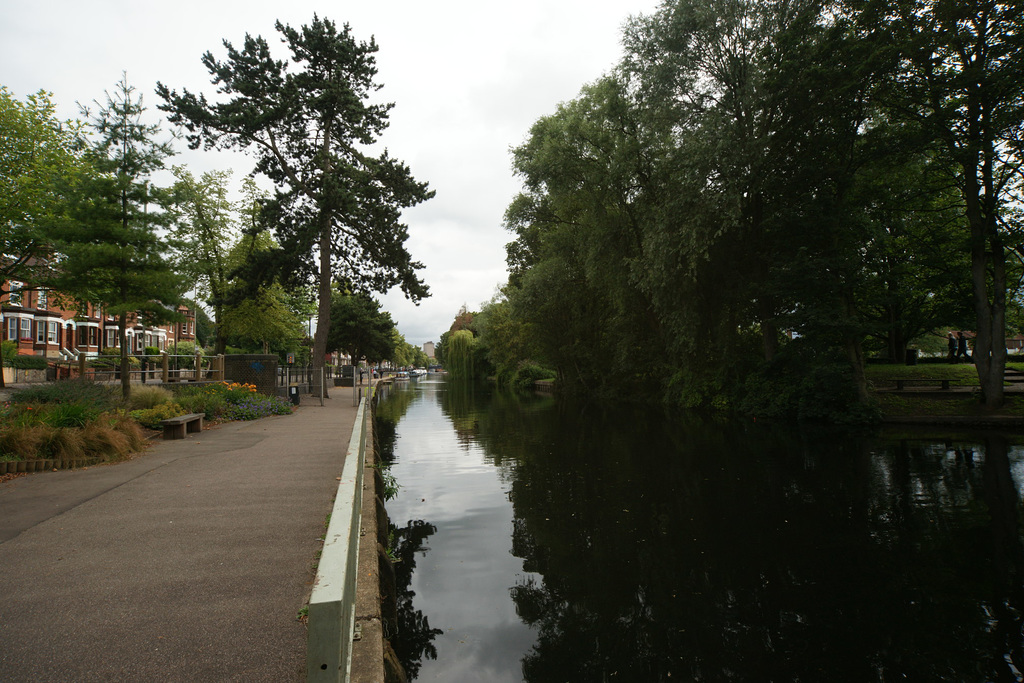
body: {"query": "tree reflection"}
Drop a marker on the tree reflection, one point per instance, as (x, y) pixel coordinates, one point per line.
(702, 553)
(414, 639)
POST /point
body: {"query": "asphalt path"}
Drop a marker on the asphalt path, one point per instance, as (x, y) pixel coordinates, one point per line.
(189, 562)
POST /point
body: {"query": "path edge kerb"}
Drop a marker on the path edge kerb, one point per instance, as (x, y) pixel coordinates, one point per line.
(332, 602)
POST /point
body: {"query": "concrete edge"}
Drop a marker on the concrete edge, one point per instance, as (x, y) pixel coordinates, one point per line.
(368, 651)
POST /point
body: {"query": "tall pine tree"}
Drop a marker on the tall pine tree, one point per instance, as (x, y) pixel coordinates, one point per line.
(336, 210)
(111, 253)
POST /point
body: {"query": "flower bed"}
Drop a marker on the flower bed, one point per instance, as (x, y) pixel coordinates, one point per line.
(77, 422)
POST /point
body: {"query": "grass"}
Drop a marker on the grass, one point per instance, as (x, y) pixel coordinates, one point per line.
(955, 404)
(962, 375)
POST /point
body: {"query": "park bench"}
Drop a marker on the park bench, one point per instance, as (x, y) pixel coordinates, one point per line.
(176, 427)
(942, 381)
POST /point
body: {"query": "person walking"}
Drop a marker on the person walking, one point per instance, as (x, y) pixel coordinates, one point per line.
(952, 348)
(961, 347)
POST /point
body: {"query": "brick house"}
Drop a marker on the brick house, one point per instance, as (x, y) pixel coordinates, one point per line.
(41, 327)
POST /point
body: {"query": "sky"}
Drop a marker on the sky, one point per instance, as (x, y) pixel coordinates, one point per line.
(467, 77)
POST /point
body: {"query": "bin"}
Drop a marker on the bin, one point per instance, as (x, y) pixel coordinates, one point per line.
(293, 394)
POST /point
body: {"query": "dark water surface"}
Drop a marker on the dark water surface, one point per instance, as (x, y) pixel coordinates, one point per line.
(547, 542)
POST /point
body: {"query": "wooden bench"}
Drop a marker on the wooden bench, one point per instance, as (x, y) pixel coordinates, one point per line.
(942, 381)
(177, 427)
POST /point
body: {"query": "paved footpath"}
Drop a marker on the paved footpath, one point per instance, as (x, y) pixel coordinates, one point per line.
(188, 563)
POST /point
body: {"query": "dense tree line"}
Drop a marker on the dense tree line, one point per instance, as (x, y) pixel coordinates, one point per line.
(763, 193)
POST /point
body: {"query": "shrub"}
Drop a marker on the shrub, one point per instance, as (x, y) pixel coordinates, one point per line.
(60, 415)
(69, 391)
(527, 374)
(145, 397)
(150, 417)
(28, 362)
(199, 400)
(256, 406)
(8, 350)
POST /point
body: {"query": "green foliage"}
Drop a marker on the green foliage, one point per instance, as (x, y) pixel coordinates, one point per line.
(528, 374)
(312, 131)
(67, 391)
(61, 415)
(145, 396)
(8, 350)
(28, 362)
(112, 252)
(459, 355)
(41, 165)
(360, 328)
(194, 400)
(151, 417)
(255, 406)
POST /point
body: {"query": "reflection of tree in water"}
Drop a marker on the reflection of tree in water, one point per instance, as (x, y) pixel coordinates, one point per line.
(717, 554)
(414, 639)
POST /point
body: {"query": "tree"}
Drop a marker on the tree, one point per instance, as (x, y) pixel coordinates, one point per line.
(959, 81)
(204, 229)
(264, 319)
(111, 253)
(40, 162)
(360, 328)
(336, 210)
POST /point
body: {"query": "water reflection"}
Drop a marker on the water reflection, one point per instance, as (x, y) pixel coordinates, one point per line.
(571, 544)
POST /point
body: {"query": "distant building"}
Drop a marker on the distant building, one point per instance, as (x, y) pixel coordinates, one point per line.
(428, 349)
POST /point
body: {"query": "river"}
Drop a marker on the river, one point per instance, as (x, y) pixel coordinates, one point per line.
(549, 541)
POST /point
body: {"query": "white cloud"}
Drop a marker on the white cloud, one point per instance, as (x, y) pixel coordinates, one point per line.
(468, 79)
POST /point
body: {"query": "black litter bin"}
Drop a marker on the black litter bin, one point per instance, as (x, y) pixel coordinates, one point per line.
(911, 356)
(293, 394)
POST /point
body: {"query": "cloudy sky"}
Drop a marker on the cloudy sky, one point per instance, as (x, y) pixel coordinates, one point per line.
(468, 79)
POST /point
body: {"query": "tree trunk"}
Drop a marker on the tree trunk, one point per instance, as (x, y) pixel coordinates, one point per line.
(323, 321)
(220, 342)
(988, 260)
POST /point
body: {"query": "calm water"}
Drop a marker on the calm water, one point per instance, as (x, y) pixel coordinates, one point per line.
(546, 542)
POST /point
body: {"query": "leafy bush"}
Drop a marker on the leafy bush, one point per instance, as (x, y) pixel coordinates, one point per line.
(256, 406)
(61, 415)
(28, 362)
(151, 417)
(110, 357)
(8, 350)
(69, 391)
(199, 399)
(144, 397)
(529, 373)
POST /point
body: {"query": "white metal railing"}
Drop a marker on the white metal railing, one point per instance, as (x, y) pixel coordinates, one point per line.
(332, 604)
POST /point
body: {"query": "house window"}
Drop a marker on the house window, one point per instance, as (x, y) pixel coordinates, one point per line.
(15, 298)
(41, 299)
(51, 332)
(139, 339)
(26, 329)
(94, 336)
(12, 329)
(112, 341)
(40, 332)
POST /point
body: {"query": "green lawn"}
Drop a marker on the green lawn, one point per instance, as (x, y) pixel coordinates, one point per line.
(954, 404)
(964, 373)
